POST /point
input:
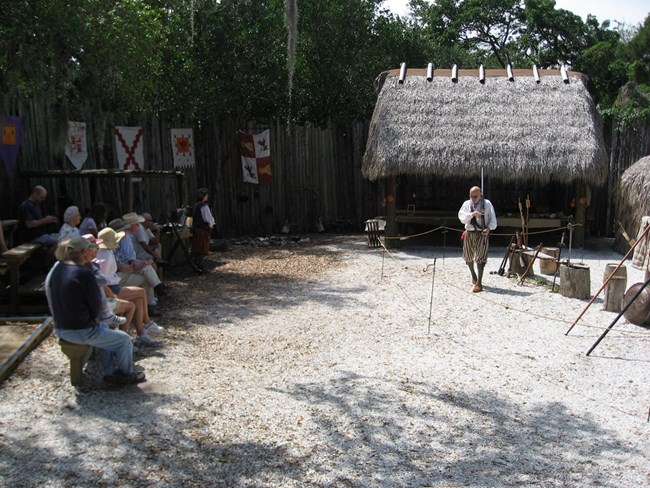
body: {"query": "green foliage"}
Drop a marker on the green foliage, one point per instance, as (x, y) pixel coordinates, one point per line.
(202, 59)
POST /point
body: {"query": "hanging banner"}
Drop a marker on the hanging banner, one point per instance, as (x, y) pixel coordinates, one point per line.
(11, 138)
(183, 148)
(75, 146)
(256, 157)
(128, 146)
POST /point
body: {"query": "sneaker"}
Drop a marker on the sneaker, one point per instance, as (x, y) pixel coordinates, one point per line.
(477, 288)
(119, 378)
(116, 321)
(146, 340)
(153, 328)
(135, 348)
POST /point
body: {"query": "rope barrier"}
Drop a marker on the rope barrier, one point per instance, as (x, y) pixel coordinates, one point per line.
(621, 334)
(539, 377)
(447, 228)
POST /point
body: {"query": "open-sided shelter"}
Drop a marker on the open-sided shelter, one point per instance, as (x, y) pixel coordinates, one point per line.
(515, 125)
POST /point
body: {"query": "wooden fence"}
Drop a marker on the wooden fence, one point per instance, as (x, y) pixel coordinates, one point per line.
(316, 171)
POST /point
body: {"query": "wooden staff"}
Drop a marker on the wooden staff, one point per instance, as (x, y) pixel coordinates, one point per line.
(527, 218)
(523, 276)
(641, 237)
(523, 222)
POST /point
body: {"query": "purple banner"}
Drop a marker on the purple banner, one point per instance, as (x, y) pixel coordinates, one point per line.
(11, 138)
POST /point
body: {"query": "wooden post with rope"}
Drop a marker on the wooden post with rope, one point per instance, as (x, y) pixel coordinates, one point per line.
(605, 282)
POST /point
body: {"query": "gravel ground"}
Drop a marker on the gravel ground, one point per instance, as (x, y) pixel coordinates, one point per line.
(316, 364)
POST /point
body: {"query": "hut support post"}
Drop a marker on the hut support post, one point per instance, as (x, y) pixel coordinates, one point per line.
(391, 207)
(128, 189)
(581, 213)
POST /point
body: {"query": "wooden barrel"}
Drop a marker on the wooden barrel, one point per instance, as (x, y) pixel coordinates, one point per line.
(575, 281)
(638, 312)
(621, 273)
(549, 266)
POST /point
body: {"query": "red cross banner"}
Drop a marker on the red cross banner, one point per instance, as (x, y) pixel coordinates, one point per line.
(183, 148)
(256, 157)
(75, 146)
(128, 147)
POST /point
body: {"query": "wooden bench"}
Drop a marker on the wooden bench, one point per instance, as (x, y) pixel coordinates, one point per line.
(79, 354)
(15, 258)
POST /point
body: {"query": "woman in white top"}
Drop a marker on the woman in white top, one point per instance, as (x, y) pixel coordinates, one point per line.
(71, 219)
(105, 259)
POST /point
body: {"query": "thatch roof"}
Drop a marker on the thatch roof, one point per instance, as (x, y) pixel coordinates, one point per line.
(633, 199)
(516, 129)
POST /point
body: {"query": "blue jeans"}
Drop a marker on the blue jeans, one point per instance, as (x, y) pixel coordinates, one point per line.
(115, 347)
(47, 240)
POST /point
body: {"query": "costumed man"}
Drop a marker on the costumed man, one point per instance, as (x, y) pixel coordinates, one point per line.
(479, 218)
(202, 223)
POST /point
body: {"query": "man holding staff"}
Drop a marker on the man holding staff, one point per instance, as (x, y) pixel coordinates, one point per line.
(479, 218)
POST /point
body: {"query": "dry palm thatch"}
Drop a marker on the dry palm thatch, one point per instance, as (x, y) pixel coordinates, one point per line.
(633, 199)
(515, 130)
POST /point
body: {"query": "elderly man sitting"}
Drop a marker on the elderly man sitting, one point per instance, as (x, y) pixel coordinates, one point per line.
(134, 271)
(76, 303)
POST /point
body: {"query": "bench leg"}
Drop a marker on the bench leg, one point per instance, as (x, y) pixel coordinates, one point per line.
(78, 355)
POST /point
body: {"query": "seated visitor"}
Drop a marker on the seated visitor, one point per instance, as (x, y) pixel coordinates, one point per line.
(105, 259)
(71, 219)
(117, 305)
(75, 302)
(35, 224)
(95, 220)
(134, 271)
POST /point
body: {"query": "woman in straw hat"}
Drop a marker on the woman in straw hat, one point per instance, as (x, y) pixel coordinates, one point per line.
(105, 258)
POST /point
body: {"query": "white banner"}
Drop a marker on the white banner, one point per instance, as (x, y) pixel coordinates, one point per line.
(75, 146)
(183, 148)
(128, 147)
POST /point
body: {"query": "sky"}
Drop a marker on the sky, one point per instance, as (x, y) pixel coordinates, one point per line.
(631, 12)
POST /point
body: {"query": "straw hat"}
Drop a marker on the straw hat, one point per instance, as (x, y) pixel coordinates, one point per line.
(109, 238)
(132, 218)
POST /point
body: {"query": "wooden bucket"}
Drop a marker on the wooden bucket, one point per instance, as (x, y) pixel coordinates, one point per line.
(549, 266)
(638, 312)
(575, 281)
(615, 289)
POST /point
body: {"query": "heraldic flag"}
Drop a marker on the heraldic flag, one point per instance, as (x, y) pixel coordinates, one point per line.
(256, 157)
(11, 137)
(183, 148)
(75, 146)
(128, 147)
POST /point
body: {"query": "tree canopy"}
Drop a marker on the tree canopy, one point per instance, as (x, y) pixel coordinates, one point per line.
(205, 58)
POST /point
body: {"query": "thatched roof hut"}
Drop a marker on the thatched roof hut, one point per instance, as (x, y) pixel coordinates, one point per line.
(632, 199)
(515, 128)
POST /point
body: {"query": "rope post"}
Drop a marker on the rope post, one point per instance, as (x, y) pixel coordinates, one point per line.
(433, 278)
